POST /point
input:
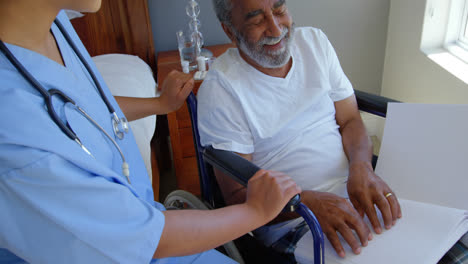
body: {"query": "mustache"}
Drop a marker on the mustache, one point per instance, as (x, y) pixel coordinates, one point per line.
(273, 40)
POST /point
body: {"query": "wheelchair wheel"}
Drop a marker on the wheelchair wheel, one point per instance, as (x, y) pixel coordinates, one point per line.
(179, 200)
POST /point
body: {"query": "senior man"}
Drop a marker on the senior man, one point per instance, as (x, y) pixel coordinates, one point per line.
(282, 101)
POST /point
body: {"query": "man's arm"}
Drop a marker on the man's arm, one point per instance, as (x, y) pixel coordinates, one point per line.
(175, 89)
(191, 231)
(334, 213)
(364, 187)
(233, 192)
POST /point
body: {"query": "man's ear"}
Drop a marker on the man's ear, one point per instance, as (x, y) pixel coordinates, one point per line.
(229, 33)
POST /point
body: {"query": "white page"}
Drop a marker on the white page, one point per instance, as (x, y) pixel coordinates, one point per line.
(423, 157)
(423, 235)
(424, 153)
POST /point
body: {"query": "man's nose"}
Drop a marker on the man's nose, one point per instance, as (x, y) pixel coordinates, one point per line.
(274, 29)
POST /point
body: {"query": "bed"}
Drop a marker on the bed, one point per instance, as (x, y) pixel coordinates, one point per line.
(119, 38)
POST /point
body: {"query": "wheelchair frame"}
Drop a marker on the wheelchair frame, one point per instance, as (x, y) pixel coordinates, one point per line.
(241, 169)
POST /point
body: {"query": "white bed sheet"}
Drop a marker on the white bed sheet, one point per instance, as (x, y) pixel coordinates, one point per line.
(128, 75)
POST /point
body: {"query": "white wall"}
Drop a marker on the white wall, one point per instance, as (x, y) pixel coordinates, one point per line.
(168, 17)
(358, 31)
(356, 28)
(409, 75)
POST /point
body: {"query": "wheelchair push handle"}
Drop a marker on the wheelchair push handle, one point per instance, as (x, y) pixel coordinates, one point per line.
(240, 169)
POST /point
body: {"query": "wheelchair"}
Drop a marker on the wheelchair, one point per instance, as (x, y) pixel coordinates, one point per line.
(246, 249)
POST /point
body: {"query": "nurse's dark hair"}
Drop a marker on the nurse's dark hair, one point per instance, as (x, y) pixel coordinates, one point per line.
(223, 10)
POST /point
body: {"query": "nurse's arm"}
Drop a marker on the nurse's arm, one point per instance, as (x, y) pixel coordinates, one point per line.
(175, 89)
(188, 232)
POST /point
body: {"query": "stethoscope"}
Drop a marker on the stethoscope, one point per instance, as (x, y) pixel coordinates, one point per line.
(120, 125)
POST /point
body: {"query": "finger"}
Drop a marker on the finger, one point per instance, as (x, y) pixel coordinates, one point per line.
(173, 81)
(179, 77)
(280, 177)
(291, 189)
(372, 215)
(187, 88)
(400, 214)
(174, 76)
(287, 182)
(384, 207)
(358, 207)
(349, 237)
(395, 207)
(185, 77)
(283, 180)
(336, 244)
(277, 174)
(362, 230)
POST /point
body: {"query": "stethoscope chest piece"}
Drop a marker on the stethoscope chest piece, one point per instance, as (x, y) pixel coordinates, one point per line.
(120, 126)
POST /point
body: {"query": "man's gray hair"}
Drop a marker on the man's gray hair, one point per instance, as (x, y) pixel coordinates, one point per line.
(223, 10)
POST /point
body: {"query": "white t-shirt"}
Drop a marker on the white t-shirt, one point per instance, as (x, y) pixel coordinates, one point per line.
(287, 124)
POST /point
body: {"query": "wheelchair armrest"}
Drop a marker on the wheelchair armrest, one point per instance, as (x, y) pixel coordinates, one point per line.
(239, 169)
(231, 164)
(374, 104)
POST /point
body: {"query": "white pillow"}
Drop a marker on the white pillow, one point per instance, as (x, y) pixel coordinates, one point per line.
(128, 75)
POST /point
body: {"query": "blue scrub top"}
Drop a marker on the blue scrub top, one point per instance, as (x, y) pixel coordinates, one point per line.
(57, 203)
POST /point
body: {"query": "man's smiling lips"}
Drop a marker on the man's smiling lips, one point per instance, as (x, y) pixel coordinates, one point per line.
(276, 46)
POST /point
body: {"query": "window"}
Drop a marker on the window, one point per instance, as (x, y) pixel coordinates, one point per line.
(459, 47)
(465, 35)
(445, 35)
(463, 40)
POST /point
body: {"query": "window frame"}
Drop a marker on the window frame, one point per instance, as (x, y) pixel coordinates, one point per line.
(442, 39)
(458, 46)
(463, 35)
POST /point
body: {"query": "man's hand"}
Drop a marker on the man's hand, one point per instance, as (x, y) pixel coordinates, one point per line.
(175, 89)
(268, 192)
(366, 189)
(336, 214)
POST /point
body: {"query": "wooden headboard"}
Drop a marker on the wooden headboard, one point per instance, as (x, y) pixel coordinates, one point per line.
(120, 26)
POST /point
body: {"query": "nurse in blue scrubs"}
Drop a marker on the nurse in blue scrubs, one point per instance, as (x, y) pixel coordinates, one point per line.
(64, 196)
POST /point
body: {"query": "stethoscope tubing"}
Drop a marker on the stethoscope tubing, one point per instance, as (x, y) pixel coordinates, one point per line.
(116, 120)
(88, 68)
(47, 95)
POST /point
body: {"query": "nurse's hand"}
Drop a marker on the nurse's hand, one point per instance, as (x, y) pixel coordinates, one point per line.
(174, 91)
(268, 192)
(191, 231)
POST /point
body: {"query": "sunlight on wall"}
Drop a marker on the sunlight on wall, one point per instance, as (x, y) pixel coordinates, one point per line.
(452, 64)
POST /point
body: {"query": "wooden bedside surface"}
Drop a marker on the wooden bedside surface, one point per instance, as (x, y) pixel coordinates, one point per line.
(180, 127)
